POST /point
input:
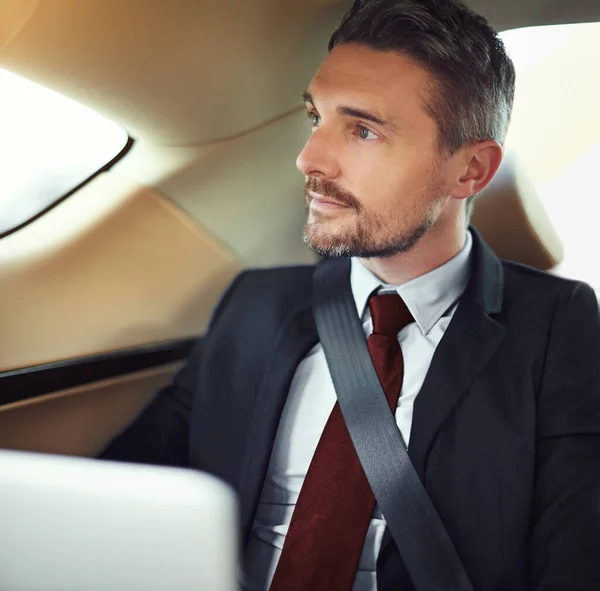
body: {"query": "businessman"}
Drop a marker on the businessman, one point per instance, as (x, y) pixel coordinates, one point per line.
(492, 368)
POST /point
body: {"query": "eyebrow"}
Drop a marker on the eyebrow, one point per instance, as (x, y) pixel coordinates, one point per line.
(353, 112)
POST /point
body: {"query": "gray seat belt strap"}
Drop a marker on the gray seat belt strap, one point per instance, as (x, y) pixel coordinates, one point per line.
(424, 544)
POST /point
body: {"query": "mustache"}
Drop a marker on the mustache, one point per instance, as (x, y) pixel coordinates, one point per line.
(330, 189)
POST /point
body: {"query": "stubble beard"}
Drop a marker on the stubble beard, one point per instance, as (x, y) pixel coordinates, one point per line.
(367, 235)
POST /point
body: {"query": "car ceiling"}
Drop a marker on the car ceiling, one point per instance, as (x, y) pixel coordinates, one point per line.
(191, 72)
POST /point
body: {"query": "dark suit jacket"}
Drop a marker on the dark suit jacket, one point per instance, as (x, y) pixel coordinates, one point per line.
(506, 428)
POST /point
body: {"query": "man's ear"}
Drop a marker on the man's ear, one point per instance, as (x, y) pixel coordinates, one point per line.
(478, 165)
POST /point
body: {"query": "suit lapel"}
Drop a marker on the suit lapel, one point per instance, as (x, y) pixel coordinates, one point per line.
(296, 338)
(467, 345)
(469, 342)
(471, 339)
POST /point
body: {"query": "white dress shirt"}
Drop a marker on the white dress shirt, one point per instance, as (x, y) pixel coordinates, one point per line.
(432, 300)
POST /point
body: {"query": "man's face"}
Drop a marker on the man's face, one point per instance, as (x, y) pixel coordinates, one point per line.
(374, 152)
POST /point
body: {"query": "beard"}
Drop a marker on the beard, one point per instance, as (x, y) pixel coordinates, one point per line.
(368, 235)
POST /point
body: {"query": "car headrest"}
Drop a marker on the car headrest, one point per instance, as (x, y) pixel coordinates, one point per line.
(511, 218)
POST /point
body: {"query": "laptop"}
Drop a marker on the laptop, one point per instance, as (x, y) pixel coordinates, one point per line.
(78, 524)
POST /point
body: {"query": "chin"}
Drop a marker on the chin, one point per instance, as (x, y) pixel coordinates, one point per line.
(324, 243)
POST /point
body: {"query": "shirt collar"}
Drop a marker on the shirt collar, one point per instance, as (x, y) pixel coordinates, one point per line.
(428, 297)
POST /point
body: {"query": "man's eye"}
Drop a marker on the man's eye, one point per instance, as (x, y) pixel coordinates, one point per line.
(314, 119)
(366, 134)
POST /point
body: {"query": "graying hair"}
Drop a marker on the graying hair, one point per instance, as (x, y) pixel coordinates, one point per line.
(473, 78)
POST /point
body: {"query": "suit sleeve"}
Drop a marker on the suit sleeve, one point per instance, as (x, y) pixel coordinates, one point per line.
(160, 434)
(565, 538)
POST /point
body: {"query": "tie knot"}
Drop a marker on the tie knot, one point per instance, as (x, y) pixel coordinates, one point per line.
(390, 314)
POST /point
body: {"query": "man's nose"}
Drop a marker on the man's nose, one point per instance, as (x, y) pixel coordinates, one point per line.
(318, 157)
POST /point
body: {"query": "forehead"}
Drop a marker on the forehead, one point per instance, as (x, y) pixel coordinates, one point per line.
(388, 81)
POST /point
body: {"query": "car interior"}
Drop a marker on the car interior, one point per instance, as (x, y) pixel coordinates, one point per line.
(106, 283)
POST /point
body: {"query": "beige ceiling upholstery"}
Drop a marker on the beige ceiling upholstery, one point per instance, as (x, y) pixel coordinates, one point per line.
(512, 218)
(14, 15)
(180, 72)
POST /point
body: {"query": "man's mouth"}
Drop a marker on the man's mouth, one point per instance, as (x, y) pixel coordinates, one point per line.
(323, 202)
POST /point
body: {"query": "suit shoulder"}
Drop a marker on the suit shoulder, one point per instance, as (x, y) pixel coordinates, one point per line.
(296, 279)
(263, 293)
(520, 277)
(539, 296)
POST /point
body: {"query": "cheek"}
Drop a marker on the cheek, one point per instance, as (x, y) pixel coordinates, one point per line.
(384, 179)
(387, 187)
(371, 171)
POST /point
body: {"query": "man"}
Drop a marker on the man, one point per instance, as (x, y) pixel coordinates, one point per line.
(499, 397)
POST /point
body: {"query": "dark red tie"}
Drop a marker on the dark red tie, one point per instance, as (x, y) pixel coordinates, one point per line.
(330, 521)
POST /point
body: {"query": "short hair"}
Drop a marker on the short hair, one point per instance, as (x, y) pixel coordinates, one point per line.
(473, 77)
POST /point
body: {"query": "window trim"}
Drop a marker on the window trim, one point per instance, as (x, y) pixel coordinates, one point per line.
(32, 382)
(105, 168)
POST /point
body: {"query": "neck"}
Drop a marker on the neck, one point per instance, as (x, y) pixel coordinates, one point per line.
(436, 247)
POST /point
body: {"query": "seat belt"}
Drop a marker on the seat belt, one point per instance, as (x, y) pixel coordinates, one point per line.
(424, 544)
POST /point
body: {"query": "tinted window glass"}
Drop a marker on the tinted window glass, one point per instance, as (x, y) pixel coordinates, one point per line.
(49, 145)
(556, 132)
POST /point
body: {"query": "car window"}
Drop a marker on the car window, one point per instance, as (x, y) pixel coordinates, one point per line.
(49, 145)
(556, 131)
